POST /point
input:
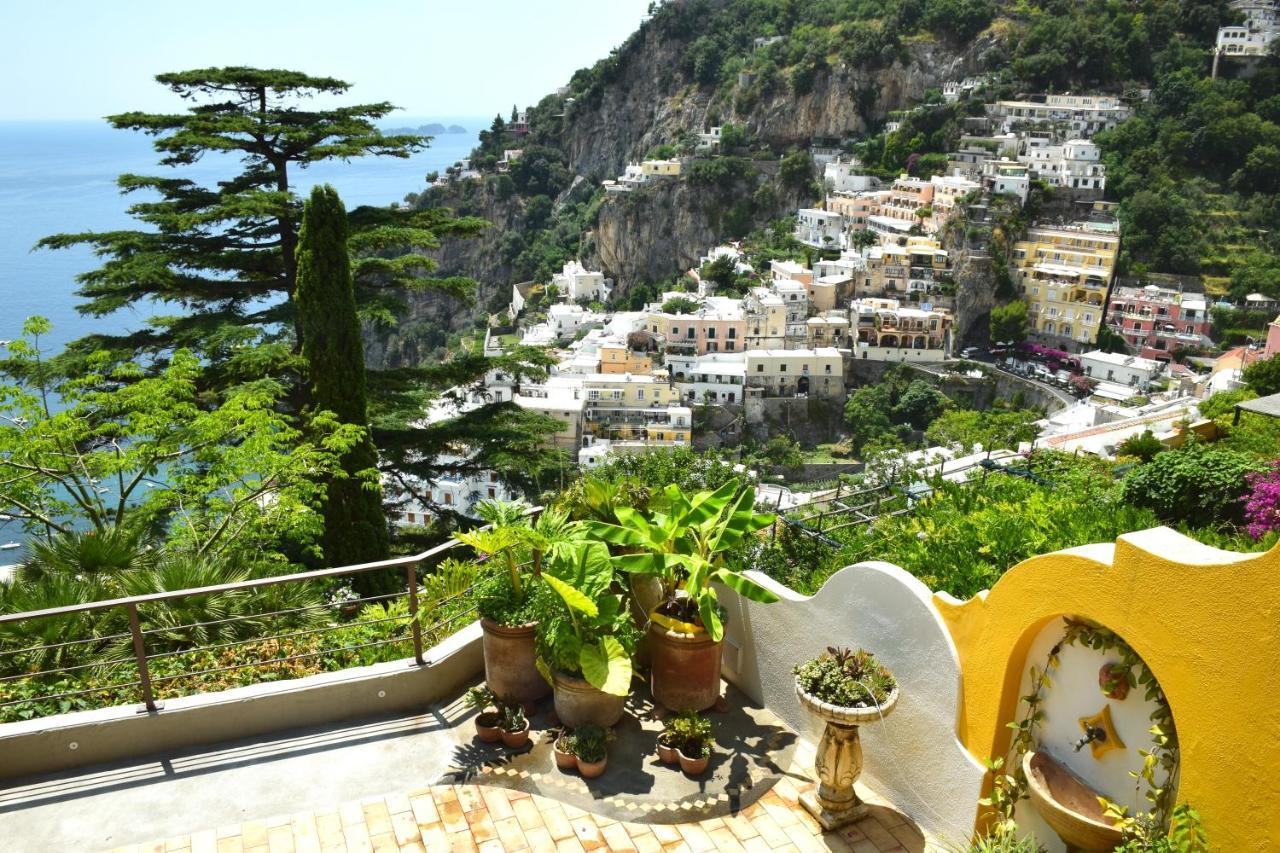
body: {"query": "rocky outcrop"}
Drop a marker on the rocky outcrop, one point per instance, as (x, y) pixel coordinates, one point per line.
(660, 230)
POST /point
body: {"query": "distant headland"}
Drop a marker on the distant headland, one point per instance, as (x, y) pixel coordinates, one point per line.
(434, 129)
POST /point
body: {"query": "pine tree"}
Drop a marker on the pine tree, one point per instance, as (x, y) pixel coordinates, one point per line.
(223, 254)
(355, 527)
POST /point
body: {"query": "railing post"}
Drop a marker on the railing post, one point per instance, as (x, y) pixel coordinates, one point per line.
(411, 572)
(140, 654)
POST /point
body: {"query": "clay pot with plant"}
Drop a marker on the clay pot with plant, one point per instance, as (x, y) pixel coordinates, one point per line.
(586, 639)
(687, 544)
(510, 597)
(844, 689)
(514, 727)
(591, 750)
(564, 750)
(690, 733)
(488, 717)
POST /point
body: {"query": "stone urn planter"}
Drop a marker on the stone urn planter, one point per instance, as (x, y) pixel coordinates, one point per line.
(839, 758)
(579, 703)
(509, 667)
(684, 667)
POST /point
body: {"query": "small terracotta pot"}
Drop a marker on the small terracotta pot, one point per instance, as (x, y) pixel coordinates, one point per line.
(564, 760)
(693, 766)
(487, 726)
(592, 769)
(667, 754)
(515, 740)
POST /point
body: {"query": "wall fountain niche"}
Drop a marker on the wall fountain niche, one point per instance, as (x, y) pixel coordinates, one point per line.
(1091, 734)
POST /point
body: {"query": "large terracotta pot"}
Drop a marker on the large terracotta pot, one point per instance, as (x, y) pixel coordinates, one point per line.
(838, 760)
(684, 668)
(580, 704)
(509, 668)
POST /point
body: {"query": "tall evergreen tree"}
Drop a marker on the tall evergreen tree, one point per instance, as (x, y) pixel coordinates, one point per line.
(355, 527)
(224, 254)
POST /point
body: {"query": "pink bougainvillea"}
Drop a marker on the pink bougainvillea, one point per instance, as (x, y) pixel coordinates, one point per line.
(1262, 502)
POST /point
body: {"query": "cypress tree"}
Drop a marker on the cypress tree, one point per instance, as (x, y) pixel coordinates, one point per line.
(355, 527)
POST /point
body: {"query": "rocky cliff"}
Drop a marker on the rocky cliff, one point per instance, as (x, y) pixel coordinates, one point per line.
(642, 98)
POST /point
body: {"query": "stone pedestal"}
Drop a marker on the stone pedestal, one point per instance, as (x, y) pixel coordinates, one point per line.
(838, 764)
(838, 761)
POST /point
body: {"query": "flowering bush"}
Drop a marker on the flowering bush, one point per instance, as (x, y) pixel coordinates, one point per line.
(1262, 503)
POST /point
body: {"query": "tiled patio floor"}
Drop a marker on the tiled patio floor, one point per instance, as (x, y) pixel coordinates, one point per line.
(498, 820)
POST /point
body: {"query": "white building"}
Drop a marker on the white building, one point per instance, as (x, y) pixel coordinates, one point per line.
(717, 377)
(1078, 116)
(1076, 164)
(575, 282)
(710, 140)
(1254, 37)
(1006, 177)
(821, 229)
(1120, 368)
(846, 176)
(455, 492)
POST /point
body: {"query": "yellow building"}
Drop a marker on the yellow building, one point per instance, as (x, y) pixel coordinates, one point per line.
(617, 358)
(1064, 273)
(632, 406)
(660, 168)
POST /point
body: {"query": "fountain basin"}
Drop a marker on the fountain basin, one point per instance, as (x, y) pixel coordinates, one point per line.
(1068, 805)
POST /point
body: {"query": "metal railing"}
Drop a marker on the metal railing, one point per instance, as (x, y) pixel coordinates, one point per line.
(140, 658)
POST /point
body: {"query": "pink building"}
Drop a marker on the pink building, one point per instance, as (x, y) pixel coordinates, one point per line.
(718, 326)
(1273, 338)
(1156, 321)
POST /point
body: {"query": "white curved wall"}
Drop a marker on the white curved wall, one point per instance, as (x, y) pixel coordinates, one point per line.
(913, 758)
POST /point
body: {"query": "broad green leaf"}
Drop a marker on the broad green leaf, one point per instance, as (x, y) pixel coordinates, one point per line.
(607, 667)
(613, 533)
(744, 586)
(573, 597)
(709, 609)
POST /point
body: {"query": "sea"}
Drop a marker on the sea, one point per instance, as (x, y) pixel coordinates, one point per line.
(60, 177)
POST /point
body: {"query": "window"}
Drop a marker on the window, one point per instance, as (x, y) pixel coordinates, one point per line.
(493, 493)
(675, 330)
(593, 394)
(728, 347)
(639, 393)
(733, 333)
(711, 333)
(759, 368)
(448, 498)
(690, 332)
(828, 368)
(782, 368)
(411, 517)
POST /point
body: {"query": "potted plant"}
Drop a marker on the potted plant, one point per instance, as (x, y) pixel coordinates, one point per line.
(685, 543)
(844, 689)
(691, 734)
(565, 751)
(668, 746)
(514, 726)
(589, 747)
(488, 717)
(586, 641)
(509, 599)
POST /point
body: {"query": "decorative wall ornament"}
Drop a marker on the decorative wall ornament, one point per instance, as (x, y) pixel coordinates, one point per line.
(1101, 722)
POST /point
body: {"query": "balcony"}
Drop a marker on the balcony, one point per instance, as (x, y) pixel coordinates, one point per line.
(383, 755)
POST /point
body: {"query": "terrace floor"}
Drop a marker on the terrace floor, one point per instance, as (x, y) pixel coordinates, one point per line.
(421, 782)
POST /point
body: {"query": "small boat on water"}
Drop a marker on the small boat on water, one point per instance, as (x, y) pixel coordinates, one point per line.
(9, 546)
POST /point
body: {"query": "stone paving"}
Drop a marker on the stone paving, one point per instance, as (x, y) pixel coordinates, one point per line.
(497, 820)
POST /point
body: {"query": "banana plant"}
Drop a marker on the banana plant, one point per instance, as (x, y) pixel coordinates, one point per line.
(684, 545)
(589, 636)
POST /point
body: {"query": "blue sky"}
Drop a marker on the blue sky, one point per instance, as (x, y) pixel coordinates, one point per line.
(80, 59)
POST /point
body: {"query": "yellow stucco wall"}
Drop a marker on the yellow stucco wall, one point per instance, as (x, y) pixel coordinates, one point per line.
(1206, 622)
